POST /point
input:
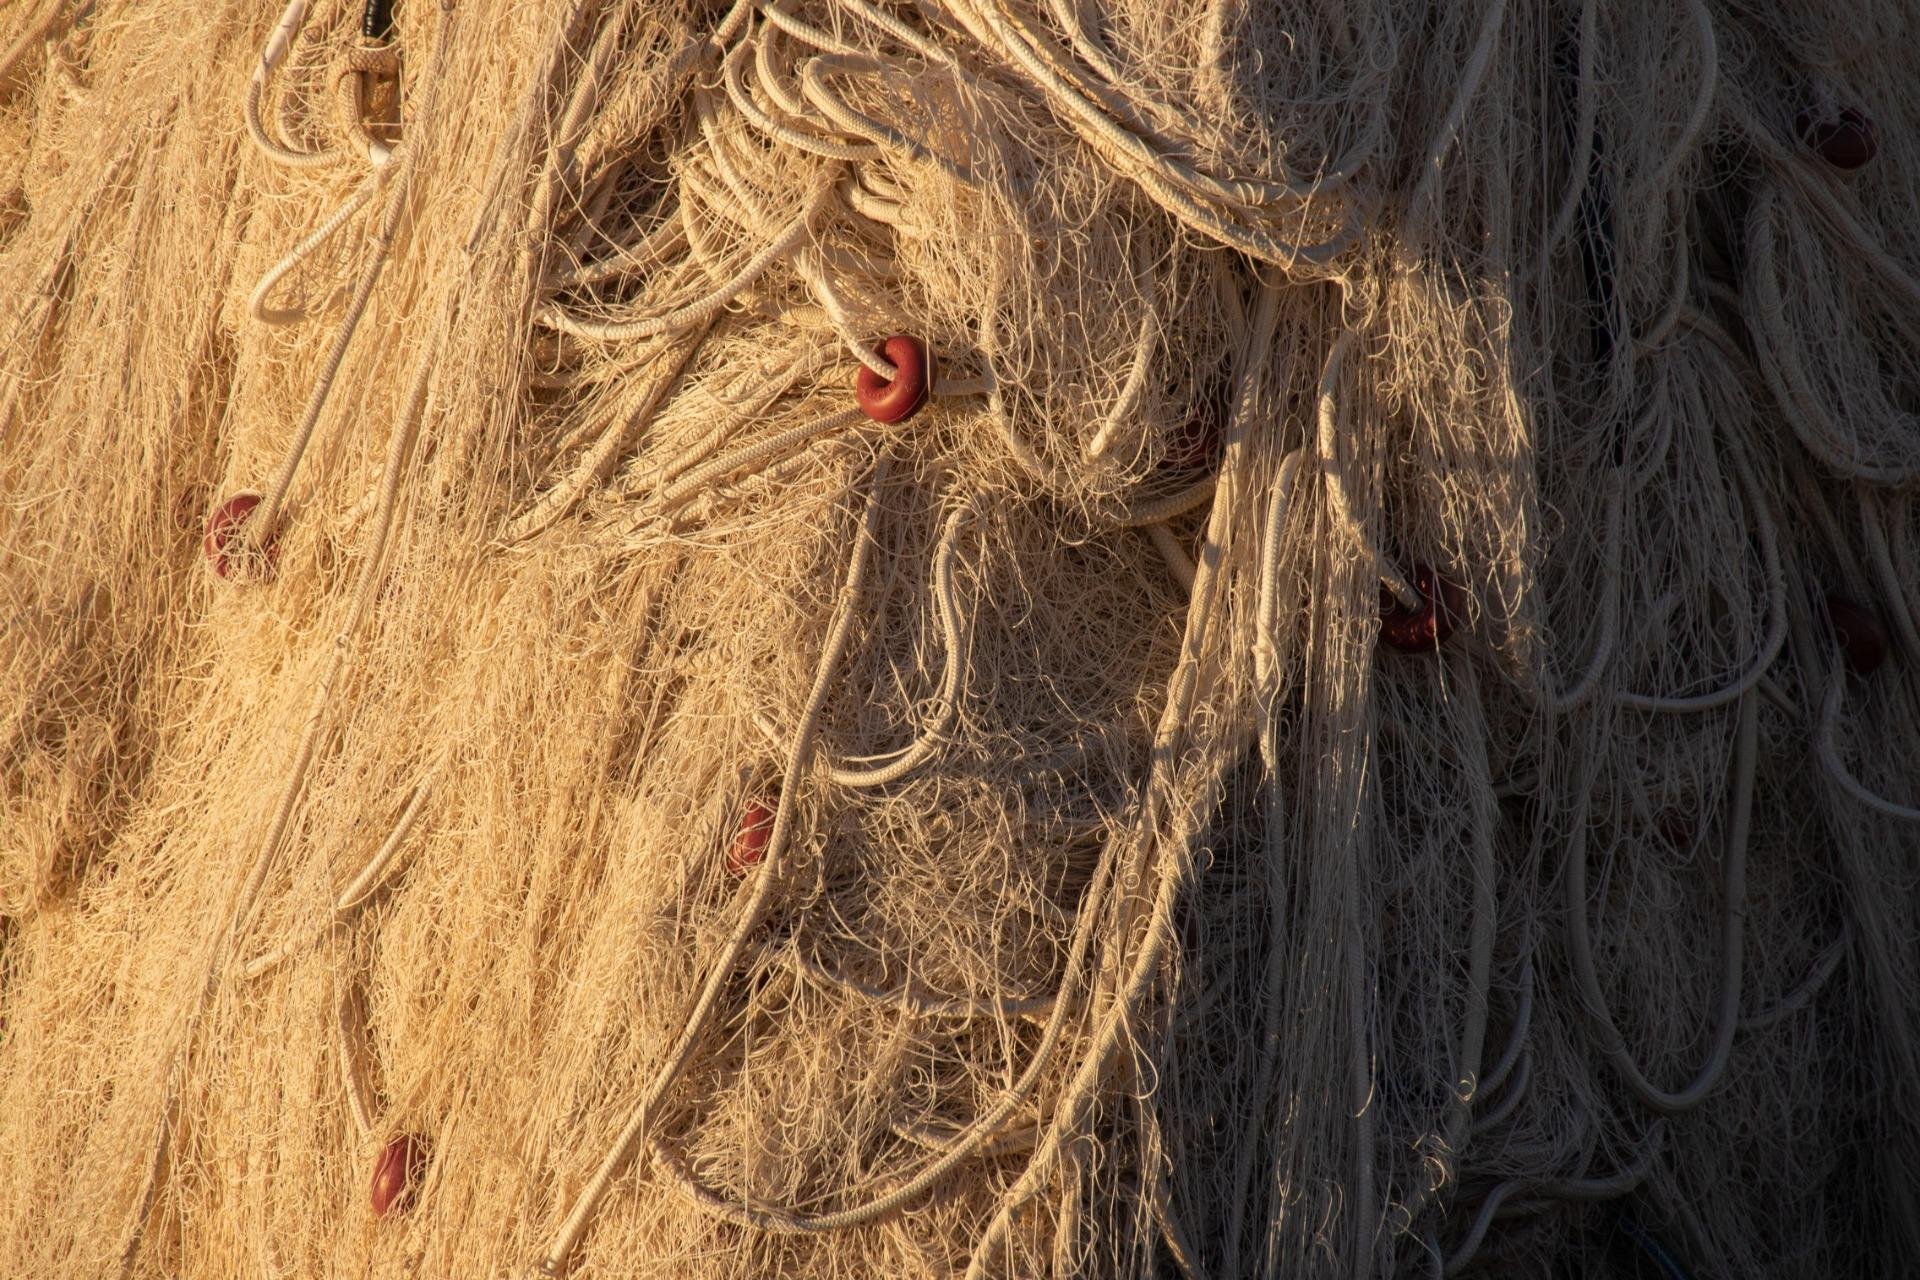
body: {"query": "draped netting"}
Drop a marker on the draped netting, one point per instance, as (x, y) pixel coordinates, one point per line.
(1339, 701)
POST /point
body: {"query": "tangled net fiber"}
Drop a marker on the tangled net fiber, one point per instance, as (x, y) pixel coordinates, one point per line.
(1366, 726)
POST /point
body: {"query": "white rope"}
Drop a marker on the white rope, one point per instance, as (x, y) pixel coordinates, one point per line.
(1732, 936)
(1776, 635)
(276, 48)
(257, 306)
(703, 309)
(931, 738)
(1829, 755)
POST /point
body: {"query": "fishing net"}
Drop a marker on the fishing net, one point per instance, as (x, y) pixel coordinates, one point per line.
(972, 637)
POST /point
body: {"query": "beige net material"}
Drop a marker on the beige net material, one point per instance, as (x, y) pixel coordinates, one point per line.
(1364, 728)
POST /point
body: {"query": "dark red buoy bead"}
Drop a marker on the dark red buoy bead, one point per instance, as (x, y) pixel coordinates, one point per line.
(1443, 605)
(900, 399)
(223, 526)
(1863, 641)
(750, 842)
(397, 1173)
(1846, 141)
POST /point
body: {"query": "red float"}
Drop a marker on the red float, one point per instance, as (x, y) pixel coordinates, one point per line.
(750, 842)
(900, 399)
(223, 526)
(1443, 605)
(397, 1173)
(1846, 141)
(1863, 641)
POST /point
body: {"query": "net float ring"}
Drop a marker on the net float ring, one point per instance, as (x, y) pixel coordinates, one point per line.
(750, 841)
(1848, 140)
(1421, 629)
(397, 1173)
(1862, 640)
(901, 397)
(223, 527)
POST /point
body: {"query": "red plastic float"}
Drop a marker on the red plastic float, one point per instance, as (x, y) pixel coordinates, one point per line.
(223, 526)
(1845, 141)
(750, 842)
(396, 1174)
(1443, 605)
(900, 399)
(1863, 641)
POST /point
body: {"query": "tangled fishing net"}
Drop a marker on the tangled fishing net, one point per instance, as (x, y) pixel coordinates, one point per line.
(972, 637)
